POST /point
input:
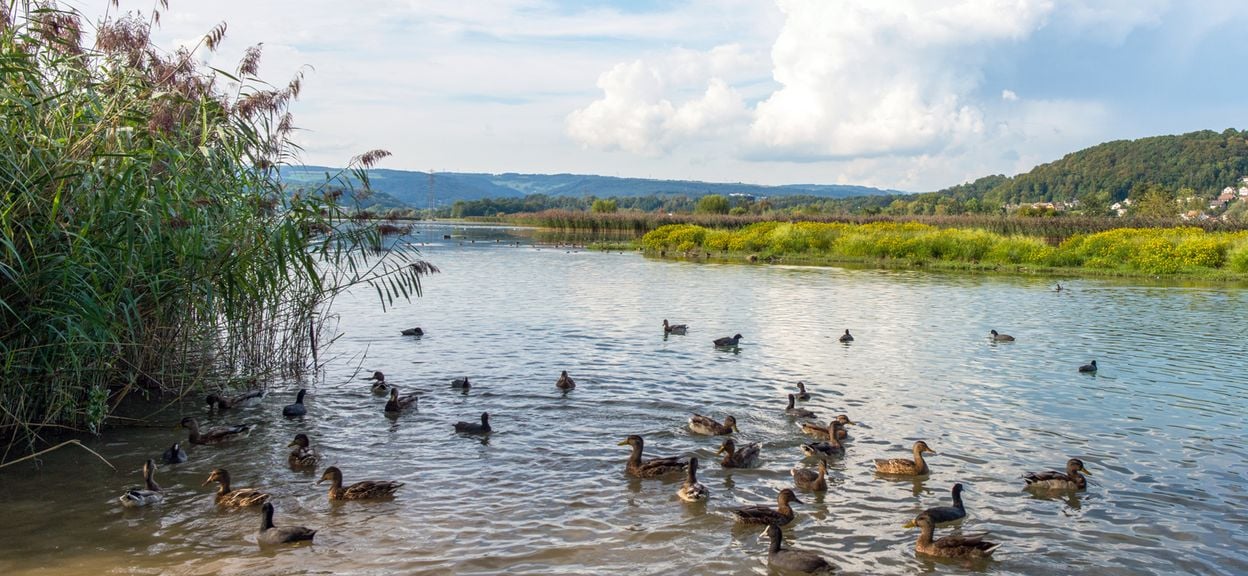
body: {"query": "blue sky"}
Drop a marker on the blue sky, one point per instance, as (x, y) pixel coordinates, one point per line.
(907, 94)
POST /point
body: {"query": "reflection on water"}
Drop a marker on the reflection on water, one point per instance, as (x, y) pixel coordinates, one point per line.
(1161, 426)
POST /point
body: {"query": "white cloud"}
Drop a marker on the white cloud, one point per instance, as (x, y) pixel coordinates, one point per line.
(1009, 96)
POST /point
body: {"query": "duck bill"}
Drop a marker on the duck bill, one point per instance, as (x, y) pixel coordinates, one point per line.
(622, 443)
(909, 524)
(292, 444)
(734, 429)
(1085, 471)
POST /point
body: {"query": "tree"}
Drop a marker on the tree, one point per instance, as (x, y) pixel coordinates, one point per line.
(712, 204)
(1152, 201)
(604, 206)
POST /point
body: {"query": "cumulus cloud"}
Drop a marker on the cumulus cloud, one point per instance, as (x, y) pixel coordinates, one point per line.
(1009, 96)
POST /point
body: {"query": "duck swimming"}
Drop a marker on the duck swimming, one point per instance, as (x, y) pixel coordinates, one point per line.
(811, 480)
(297, 409)
(945, 514)
(904, 467)
(700, 424)
(792, 410)
(303, 455)
(997, 337)
(174, 455)
(1089, 367)
(379, 387)
(214, 435)
(728, 341)
(565, 382)
(790, 560)
(652, 468)
(692, 490)
(967, 546)
(150, 493)
(362, 490)
(781, 515)
(413, 331)
(398, 404)
(822, 431)
(802, 394)
(678, 329)
(828, 449)
(1054, 480)
(248, 398)
(237, 498)
(846, 337)
(461, 383)
(745, 457)
(270, 535)
(473, 427)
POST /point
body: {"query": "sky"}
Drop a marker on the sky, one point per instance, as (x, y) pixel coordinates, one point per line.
(911, 95)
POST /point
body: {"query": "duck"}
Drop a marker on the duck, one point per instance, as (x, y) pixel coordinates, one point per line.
(1058, 288)
(174, 455)
(247, 398)
(1054, 480)
(945, 514)
(728, 341)
(236, 498)
(270, 535)
(678, 329)
(398, 404)
(904, 467)
(790, 560)
(565, 382)
(303, 455)
(792, 410)
(969, 546)
(802, 394)
(846, 337)
(379, 387)
(461, 383)
(362, 490)
(413, 331)
(150, 493)
(1089, 367)
(746, 457)
(297, 409)
(700, 424)
(652, 468)
(214, 435)
(823, 431)
(692, 490)
(830, 448)
(473, 427)
(811, 480)
(998, 337)
(781, 515)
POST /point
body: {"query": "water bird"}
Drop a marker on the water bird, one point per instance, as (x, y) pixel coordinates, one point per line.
(362, 490)
(692, 490)
(810, 479)
(379, 387)
(904, 467)
(846, 337)
(944, 514)
(728, 342)
(174, 455)
(270, 535)
(461, 383)
(413, 331)
(297, 409)
(823, 431)
(398, 404)
(146, 495)
(969, 546)
(802, 394)
(792, 410)
(303, 455)
(652, 468)
(791, 560)
(1058, 288)
(827, 449)
(700, 424)
(745, 457)
(565, 382)
(248, 398)
(996, 337)
(781, 515)
(237, 498)
(1089, 367)
(678, 329)
(214, 435)
(1071, 479)
(473, 427)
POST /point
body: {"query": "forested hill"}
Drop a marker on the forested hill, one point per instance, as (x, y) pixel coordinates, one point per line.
(1204, 161)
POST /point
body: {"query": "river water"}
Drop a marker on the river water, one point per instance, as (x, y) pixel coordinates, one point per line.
(1161, 427)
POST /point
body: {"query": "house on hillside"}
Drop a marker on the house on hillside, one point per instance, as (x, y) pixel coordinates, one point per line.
(1120, 208)
(1227, 195)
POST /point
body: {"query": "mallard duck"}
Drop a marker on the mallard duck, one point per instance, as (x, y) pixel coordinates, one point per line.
(790, 560)
(1054, 480)
(1089, 367)
(363, 490)
(473, 427)
(413, 331)
(270, 535)
(965, 546)
(823, 431)
(146, 495)
(379, 387)
(297, 409)
(728, 341)
(652, 468)
(398, 404)
(904, 467)
(692, 490)
(996, 337)
(565, 382)
(237, 498)
(783, 514)
(795, 412)
(811, 480)
(746, 457)
(700, 424)
(828, 449)
(247, 398)
(802, 394)
(303, 455)
(461, 383)
(174, 455)
(945, 514)
(846, 337)
(678, 329)
(214, 435)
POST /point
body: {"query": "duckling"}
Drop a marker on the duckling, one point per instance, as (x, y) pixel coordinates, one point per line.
(565, 382)
(728, 341)
(214, 435)
(174, 455)
(790, 560)
(303, 455)
(692, 490)
(746, 457)
(829, 449)
(846, 337)
(997, 337)
(379, 387)
(966, 546)
(270, 535)
(1089, 367)
(150, 493)
(811, 480)
(398, 404)
(944, 514)
(652, 468)
(413, 331)
(783, 514)
(678, 329)
(802, 394)
(237, 498)
(1054, 480)
(822, 431)
(363, 490)
(797, 412)
(700, 424)
(461, 383)
(904, 467)
(473, 427)
(247, 398)
(297, 409)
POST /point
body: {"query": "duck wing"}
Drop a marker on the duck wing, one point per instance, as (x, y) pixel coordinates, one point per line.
(370, 489)
(243, 497)
(895, 466)
(660, 466)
